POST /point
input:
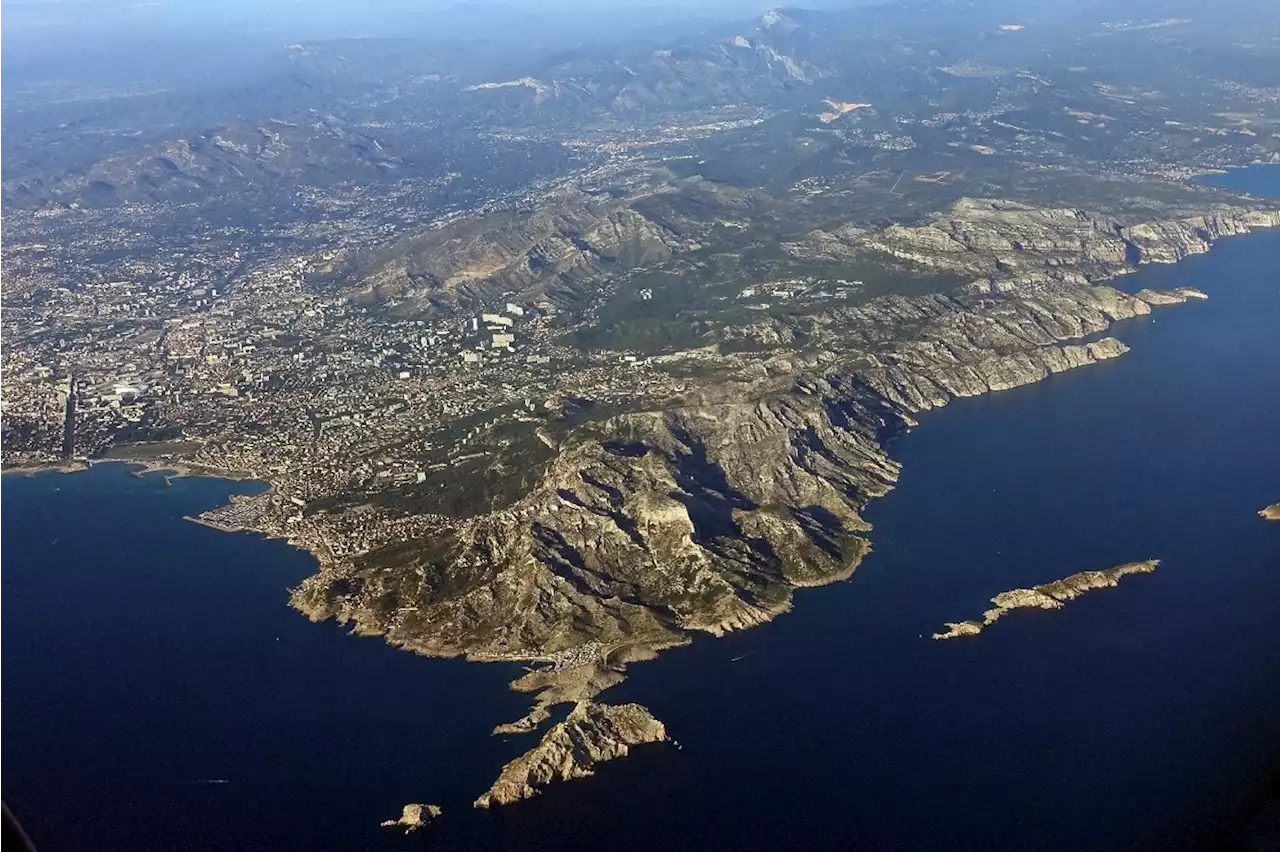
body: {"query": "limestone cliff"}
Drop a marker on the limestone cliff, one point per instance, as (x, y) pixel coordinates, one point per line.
(1047, 596)
(1005, 244)
(592, 734)
(700, 518)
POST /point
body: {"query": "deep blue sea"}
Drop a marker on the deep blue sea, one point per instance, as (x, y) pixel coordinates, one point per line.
(144, 656)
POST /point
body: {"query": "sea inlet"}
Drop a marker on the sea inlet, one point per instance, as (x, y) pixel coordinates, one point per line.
(160, 695)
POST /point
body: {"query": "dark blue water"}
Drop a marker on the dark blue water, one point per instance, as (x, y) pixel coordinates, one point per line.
(1262, 181)
(1134, 719)
(145, 655)
(141, 652)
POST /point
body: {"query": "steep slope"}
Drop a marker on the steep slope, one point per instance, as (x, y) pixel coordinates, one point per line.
(548, 253)
(591, 734)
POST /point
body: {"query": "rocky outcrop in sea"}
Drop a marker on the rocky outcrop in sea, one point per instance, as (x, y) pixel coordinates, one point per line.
(413, 817)
(592, 734)
(1052, 595)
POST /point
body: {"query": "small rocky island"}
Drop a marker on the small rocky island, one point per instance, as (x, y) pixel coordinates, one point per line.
(1047, 596)
(1270, 513)
(414, 817)
(591, 734)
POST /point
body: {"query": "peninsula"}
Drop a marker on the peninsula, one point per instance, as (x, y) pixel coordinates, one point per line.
(1052, 595)
(565, 363)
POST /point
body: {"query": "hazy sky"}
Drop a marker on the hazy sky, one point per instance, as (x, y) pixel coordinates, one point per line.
(82, 39)
(324, 18)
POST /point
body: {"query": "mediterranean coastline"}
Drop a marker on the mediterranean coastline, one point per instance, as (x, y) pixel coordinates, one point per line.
(877, 402)
(792, 506)
(559, 356)
(696, 717)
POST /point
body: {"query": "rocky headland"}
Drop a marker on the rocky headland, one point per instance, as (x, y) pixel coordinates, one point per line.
(591, 734)
(746, 479)
(1052, 595)
(707, 514)
(1270, 513)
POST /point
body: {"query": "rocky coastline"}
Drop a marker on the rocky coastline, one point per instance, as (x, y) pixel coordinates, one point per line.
(592, 734)
(1052, 595)
(139, 465)
(707, 514)
(45, 467)
(1270, 513)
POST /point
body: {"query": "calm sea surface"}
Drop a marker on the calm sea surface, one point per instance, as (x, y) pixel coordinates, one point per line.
(145, 658)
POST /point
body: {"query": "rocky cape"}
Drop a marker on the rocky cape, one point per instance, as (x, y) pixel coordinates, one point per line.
(591, 734)
(704, 515)
(1270, 513)
(1047, 596)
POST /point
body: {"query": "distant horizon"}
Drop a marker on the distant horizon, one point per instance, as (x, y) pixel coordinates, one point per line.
(323, 18)
(58, 40)
(45, 32)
